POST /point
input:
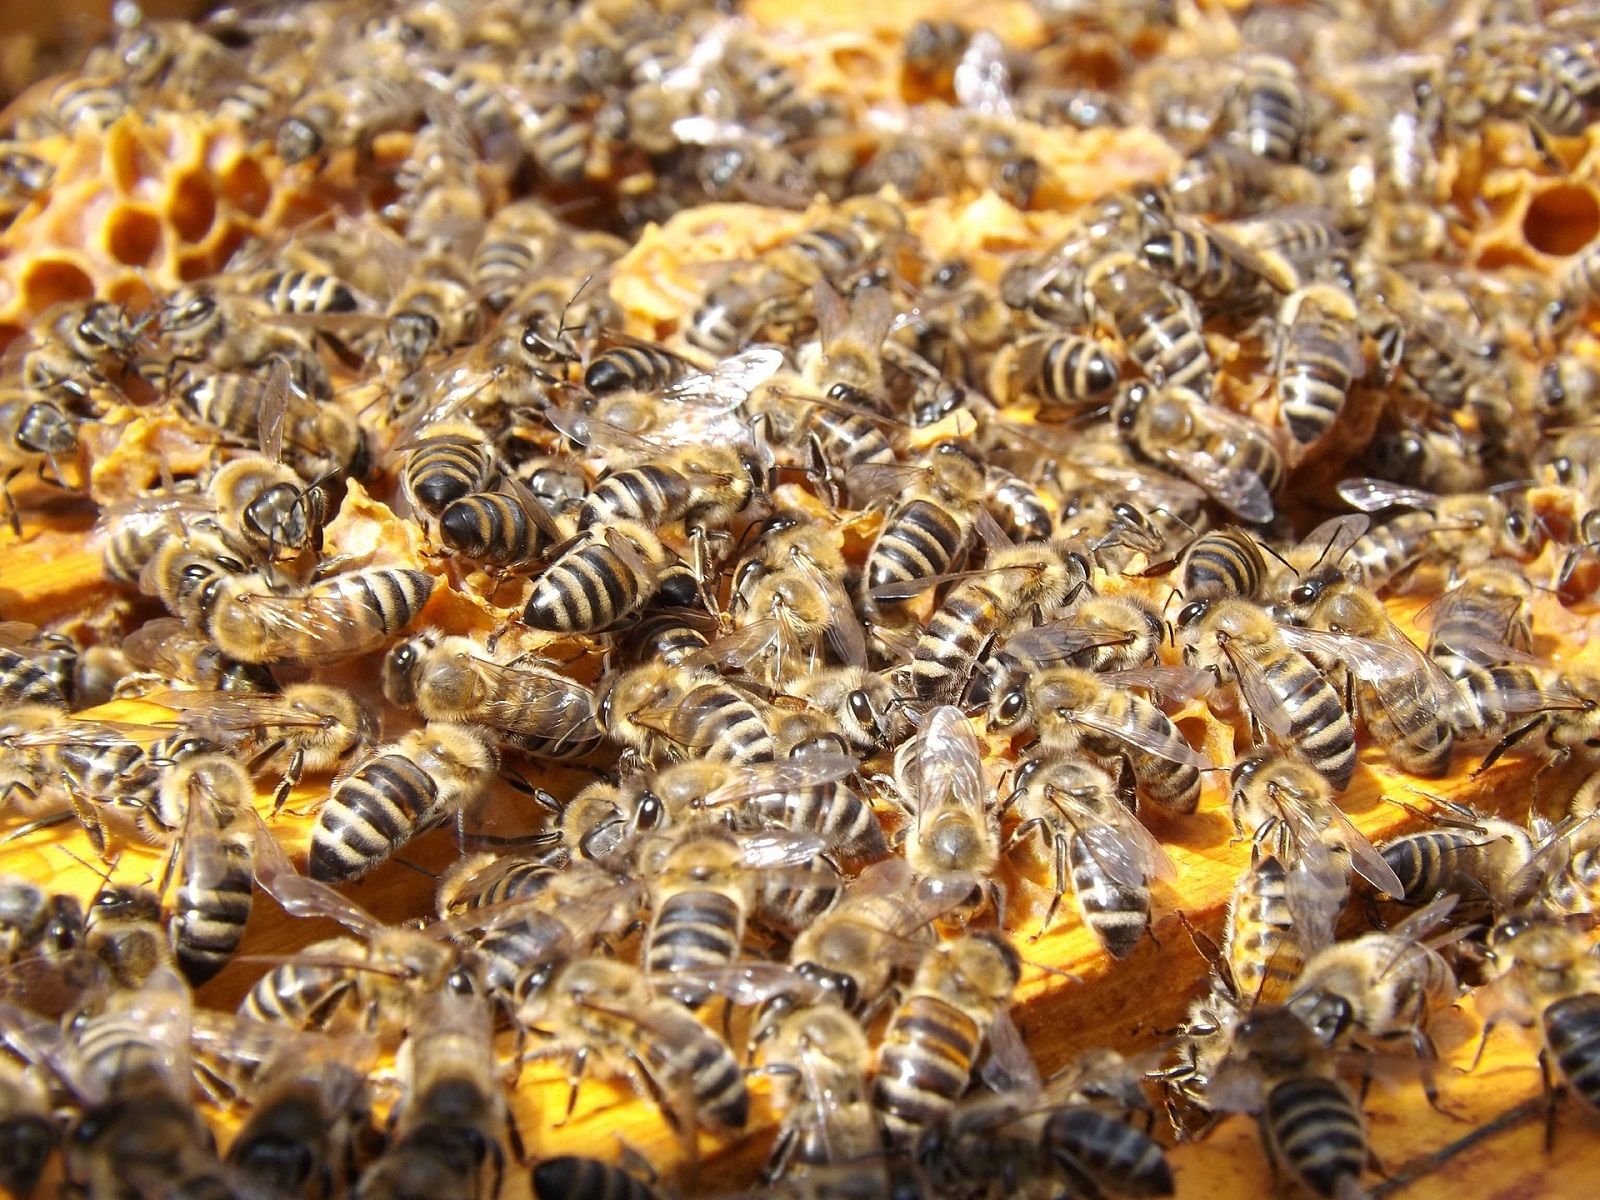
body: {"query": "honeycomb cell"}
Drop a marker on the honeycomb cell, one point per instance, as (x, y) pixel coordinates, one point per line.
(128, 159)
(133, 235)
(192, 206)
(131, 292)
(246, 186)
(50, 280)
(1561, 219)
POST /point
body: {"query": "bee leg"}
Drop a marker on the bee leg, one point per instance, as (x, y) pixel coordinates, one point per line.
(580, 1060)
(1551, 1096)
(290, 780)
(778, 1160)
(519, 1150)
(12, 517)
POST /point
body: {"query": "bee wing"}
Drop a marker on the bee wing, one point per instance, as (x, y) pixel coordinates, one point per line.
(556, 707)
(743, 646)
(1365, 858)
(592, 433)
(1180, 682)
(1337, 536)
(844, 631)
(1315, 891)
(945, 763)
(1375, 495)
(1057, 641)
(1264, 703)
(158, 645)
(303, 897)
(743, 983)
(14, 635)
(873, 483)
(1162, 745)
(1009, 1067)
(781, 848)
(234, 712)
(1241, 492)
(1124, 849)
(729, 384)
(1397, 664)
(630, 556)
(767, 779)
(1425, 920)
(274, 409)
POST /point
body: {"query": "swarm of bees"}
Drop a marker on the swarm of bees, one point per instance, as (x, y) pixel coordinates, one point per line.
(779, 639)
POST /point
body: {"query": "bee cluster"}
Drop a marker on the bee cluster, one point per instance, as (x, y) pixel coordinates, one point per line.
(807, 511)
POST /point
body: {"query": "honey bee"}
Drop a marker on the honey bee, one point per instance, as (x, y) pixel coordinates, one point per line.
(346, 115)
(605, 1011)
(434, 311)
(862, 704)
(1378, 987)
(704, 887)
(346, 614)
(314, 439)
(449, 679)
(1221, 563)
(23, 178)
(789, 609)
(1468, 855)
(1233, 459)
(129, 1067)
(34, 433)
(851, 367)
(309, 1105)
(1158, 323)
(24, 679)
(399, 790)
(570, 1177)
(703, 486)
(816, 1056)
(931, 526)
(954, 1008)
(123, 934)
(1286, 694)
(170, 655)
(80, 338)
(1093, 842)
(1078, 712)
(1065, 370)
(1465, 531)
(449, 461)
(212, 862)
(1310, 1123)
(954, 842)
(1273, 116)
(1545, 979)
(803, 794)
(268, 509)
(1021, 508)
(661, 710)
(1103, 633)
(1319, 358)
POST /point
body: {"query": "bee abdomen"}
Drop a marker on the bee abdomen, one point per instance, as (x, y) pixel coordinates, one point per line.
(1419, 743)
(694, 929)
(642, 367)
(1572, 1031)
(1311, 394)
(924, 1066)
(489, 527)
(1115, 912)
(849, 440)
(369, 816)
(1126, 1160)
(208, 921)
(440, 475)
(572, 1178)
(919, 540)
(299, 996)
(584, 591)
(24, 681)
(1319, 726)
(1317, 1131)
(650, 494)
(953, 640)
(729, 728)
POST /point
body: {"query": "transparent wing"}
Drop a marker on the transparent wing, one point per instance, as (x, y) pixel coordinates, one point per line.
(844, 631)
(1258, 692)
(946, 764)
(768, 779)
(274, 410)
(302, 897)
(1125, 850)
(1163, 743)
(1375, 495)
(1180, 682)
(1335, 537)
(730, 382)
(1240, 491)
(781, 848)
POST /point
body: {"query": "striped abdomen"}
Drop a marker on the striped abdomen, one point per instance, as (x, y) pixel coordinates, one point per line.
(919, 540)
(1226, 562)
(956, 635)
(1416, 739)
(490, 527)
(210, 908)
(693, 929)
(1259, 941)
(723, 725)
(645, 368)
(24, 681)
(449, 469)
(1572, 1033)
(572, 1178)
(651, 494)
(1314, 1128)
(369, 816)
(830, 810)
(1316, 379)
(305, 996)
(585, 590)
(1319, 728)
(1116, 913)
(848, 439)
(923, 1067)
(694, 1052)
(1107, 1154)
